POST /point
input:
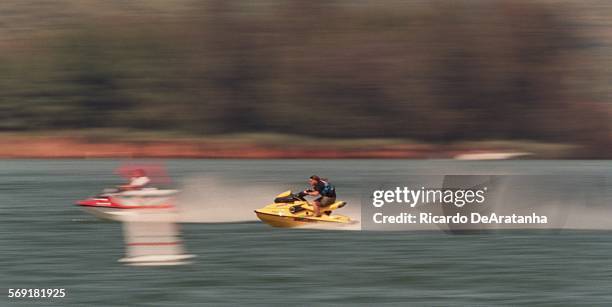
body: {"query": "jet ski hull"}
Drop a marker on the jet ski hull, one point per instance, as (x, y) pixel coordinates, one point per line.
(301, 213)
(120, 206)
(297, 221)
(104, 213)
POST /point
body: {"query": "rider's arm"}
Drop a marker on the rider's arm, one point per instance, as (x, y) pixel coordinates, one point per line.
(136, 183)
(140, 181)
(312, 192)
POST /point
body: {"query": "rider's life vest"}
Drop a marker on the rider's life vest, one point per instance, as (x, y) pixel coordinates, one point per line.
(328, 189)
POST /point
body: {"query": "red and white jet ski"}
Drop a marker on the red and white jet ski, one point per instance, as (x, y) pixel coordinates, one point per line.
(114, 204)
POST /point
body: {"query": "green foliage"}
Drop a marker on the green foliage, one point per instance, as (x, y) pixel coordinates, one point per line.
(425, 70)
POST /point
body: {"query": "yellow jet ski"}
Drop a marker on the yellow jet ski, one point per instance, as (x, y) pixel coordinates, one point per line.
(292, 210)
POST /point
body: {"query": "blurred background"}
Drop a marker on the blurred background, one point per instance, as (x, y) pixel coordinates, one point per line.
(516, 74)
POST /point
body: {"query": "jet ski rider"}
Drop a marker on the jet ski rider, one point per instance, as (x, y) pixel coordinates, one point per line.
(138, 180)
(323, 189)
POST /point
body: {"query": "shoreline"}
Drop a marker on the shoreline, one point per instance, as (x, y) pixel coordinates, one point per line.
(62, 147)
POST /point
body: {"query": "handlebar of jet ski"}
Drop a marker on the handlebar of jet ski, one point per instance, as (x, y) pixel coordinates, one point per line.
(301, 194)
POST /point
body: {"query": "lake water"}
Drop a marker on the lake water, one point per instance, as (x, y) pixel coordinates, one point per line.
(47, 242)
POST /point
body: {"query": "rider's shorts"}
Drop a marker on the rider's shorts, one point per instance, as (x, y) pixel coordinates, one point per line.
(326, 201)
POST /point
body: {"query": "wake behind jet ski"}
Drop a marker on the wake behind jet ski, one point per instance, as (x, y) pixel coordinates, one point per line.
(293, 210)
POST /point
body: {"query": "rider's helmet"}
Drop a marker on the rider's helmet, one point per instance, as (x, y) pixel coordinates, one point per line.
(139, 172)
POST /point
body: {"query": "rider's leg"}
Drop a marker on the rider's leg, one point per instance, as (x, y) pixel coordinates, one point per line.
(317, 208)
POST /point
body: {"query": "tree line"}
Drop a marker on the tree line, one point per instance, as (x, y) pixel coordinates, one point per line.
(434, 71)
